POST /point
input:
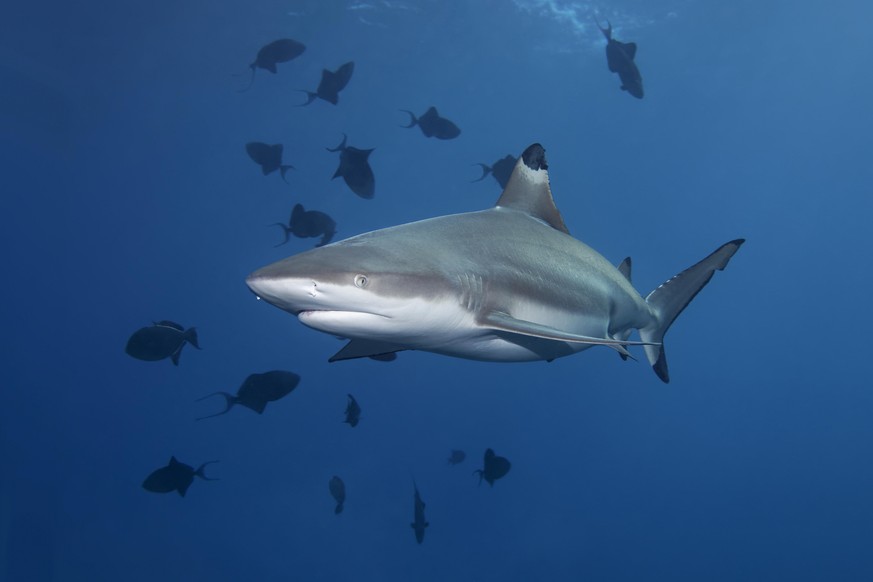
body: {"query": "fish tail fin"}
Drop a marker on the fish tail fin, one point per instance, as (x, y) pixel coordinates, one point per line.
(285, 229)
(253, 66)
(486, 169)
(310, 97)
(191, 337)
(670, 298)
(413, 119)
(284, 169)
(230, 400)
(199, 472)
(340, 147)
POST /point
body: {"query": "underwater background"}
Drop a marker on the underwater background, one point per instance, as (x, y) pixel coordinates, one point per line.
(128, 198)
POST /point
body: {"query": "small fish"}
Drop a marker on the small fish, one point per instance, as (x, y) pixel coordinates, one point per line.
(501, 170)
(353, 412)
(164, 339)
(620, 60)
(419, 521)
(308, 223)
(338, 491)
(257, 391)
(457, 457)
(278, 51)
(354, 167)
(495, 468)
(269, 157)
(332, 82)
(175, 476)
(432, 125)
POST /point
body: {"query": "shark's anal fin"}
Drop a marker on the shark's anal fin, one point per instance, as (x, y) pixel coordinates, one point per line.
(503, 322)
(358, 348)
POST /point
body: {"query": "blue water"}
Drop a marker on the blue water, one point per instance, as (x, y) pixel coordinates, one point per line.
(127, 197)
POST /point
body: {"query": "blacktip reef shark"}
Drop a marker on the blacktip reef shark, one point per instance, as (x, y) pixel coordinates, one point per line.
(507, 284)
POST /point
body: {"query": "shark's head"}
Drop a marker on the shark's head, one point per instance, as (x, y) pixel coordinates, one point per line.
(369, 286)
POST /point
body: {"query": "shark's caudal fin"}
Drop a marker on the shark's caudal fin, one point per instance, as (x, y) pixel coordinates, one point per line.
(670, 298)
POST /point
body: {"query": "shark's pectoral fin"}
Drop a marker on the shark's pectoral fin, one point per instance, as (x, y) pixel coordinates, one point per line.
(503, 322)
(359, 348)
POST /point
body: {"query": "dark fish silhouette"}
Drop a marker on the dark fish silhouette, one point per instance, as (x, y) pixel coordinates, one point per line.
(332, 82)
(278, 51)
(308, 223)
(457, 457)
(354, 167)
(432, 125)
(175, 476)
(620, 60)
(338, 491)
(501, 170)
(269, 157)
(495, 468)
(164, 339)
(419, 521)
(257, 391)
(353, 412)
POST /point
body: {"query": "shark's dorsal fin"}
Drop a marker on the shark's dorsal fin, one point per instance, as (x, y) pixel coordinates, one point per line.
(528, 189)
(359, 348)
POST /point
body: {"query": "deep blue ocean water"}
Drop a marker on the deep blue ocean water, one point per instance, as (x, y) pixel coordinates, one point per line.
(128, 197)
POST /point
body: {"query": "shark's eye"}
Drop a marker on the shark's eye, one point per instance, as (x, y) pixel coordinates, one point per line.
(361, 281)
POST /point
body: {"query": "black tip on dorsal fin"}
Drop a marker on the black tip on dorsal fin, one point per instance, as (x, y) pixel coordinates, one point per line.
(528, 189)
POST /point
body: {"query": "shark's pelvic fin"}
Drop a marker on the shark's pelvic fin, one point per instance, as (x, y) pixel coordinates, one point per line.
(359, 348)
(670, 298)
(528, 189)
(503, 322)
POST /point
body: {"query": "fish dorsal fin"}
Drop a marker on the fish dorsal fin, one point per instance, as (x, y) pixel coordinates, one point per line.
(528, 189)
(630, 48)
(173, 461)
(625, 268)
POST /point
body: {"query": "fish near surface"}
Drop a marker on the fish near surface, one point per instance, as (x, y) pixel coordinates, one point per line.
(332, 82)
(258, 390)
(507, 284)
(354, 167)
(338, 492)
(419, 522)
(269, 157)
(175, 476)
(620, 60)
(309, 223)
(271, 54)
(164, 339)
(433, 125)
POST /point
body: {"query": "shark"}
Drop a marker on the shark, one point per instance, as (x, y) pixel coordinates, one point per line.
(505, 284)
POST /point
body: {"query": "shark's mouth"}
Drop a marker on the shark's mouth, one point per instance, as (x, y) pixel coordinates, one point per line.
(347, 323)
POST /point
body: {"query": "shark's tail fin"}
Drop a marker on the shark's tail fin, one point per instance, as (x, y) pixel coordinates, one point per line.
(670, 298)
